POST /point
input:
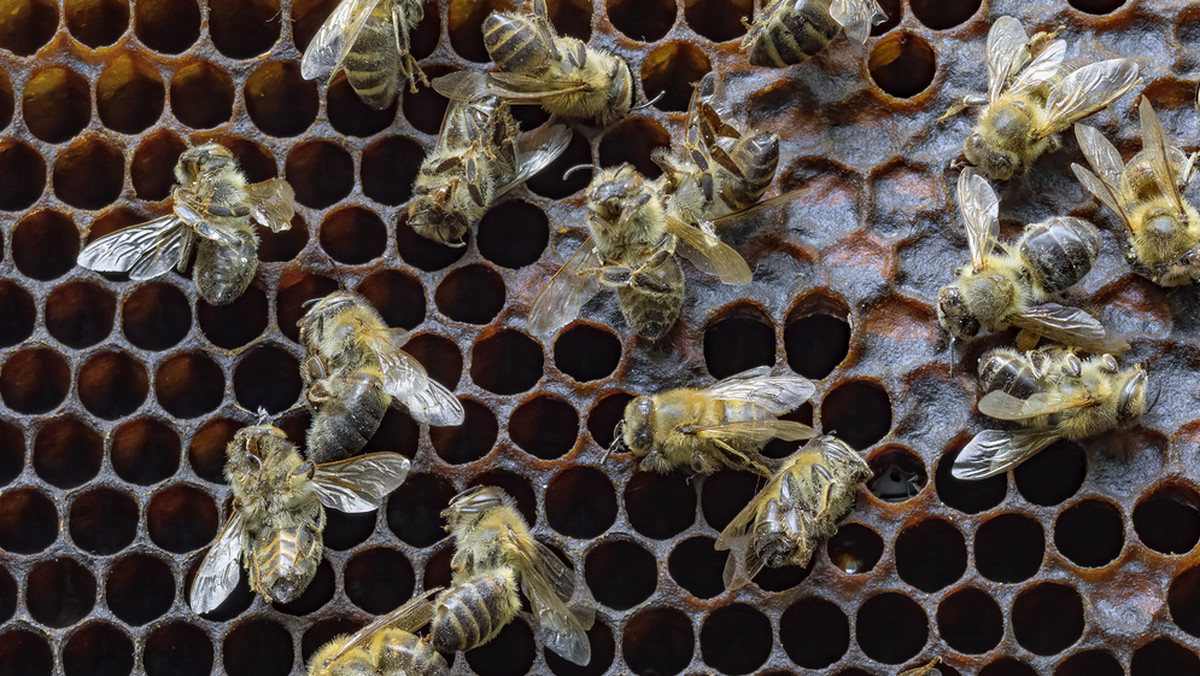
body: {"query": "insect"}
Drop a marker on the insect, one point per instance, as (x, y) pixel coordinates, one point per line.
(1162, 228)
(494, 554)
(724, 424)
(213, 207)
(354, 370)
(632, 249)
(1030, 100)
(788, 32)
(369, 39)
(1054, 395)
(1018, 285)
(479, 157)
(279, 501)
(537, 66)
(798, 507)
(385, 647)
(927, 669)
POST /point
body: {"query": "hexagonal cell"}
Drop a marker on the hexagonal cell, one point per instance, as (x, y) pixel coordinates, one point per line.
(89, 174)
(353, 235)
(414, 509)
(17, 313)
(670, 70)
(621, 573)
(1168, 519)
(1007, 666)
(817, 336)
(145, 451)
(814, 632)
(1090, 533)
(658, 640)
(379, 579)
(1097, 6)
(645, 22)
(201, 95)
(858, 411)
(735, 639)
(152, 168)
(421, 253)
(931, 555)
(545, 427)
(603, 647)
(324, 631)
(506, 362)
(473, 294)
(697, 567)
(167, 26)
(156, 316)
(891, 628)
(603, 418)
(103, 521)
(344, 532)
(315, 595)
(1163, 656)
(139, 588)
(1047, 618)
(969, 497)
(389, 166)
(281, 102)
(439, 356)
(581, 502)
(659, 505)
(206, 452)
(34, 381)
(321, 172)
(44, 245)
(1090, 663)
(742, 338)
(633, 140)
(257, 647)
(1009, 548)
(294, 290)
(587, 352)
(724, 494)
(96, 23)
(28, 522)
(855, 549)
(22, 175)
(60, 592)
(241, 30)
(464, 25)
(267, 377)
(235, 324)
(398, 296)
(511, 652)
(181, 518)
(902, 64)
(67, 453)
(7, 101)
(178, 649)
(28, 25)
(80, 314)
(943, 15)
(98, 649)
(899, 474)
(26, 649)
(516, 486)
(56, 104)
(189, 384)
(112, 385)
(1053, 475)
(970, 621)
(12, 452)
(470, 441)
(513, 234)
(348, 113)
(718, 20)
(129, 95)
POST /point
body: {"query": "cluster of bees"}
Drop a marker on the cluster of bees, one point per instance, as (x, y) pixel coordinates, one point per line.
(355, 368)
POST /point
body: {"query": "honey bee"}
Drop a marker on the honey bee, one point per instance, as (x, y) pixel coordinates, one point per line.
(479, 157)
(1030, 100)
(279, 501)
(369, 39)
(213, 207)
(1162, 228)
(1054, 395)
(385, 647)
(537, 66)
(632, 248)
(724, 424)
(494, 551)
(1017, 285)
(354, 370)
(794, 511)
(788, 32)
(927, 669)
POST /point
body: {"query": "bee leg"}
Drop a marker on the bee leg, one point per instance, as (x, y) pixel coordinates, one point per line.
(1038, 42)
(1027, 340)
(968, 101)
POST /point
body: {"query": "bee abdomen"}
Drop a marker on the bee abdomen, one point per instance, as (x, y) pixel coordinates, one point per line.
(653, 300)
(1008, 371)
(349, 419)
(471, 613)
(757, 156)
(372, 65)
(787, 34)
(223, 272)
(512, 43)
(404, 653)
(1060, 250)
(286, 563)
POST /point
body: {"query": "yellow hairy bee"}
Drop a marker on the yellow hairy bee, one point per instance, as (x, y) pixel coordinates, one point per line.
(354, 370)
(279, 501)
(797, 509)
(385, 647)
(1054, 395)
(1162, 228)
(213, 207)
(1030, 100)
(788, 32)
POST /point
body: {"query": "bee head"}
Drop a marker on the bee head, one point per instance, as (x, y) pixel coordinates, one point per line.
(202, 160)
(431, 215)
(1132, 401)
(954, 315)
(328, 305)
(472, 503)
(990, 162)
(636, 430)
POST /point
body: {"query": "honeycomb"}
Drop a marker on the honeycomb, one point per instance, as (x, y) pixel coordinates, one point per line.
(119, 398)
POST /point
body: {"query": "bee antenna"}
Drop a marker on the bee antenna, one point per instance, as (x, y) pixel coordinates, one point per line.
(650, 102)
(577, 167)
(617, 442)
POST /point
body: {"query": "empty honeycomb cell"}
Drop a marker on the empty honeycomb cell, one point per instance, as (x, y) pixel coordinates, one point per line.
(98, 649)
(473, 294)
(112, 384)
(942, 15)
(1168, 519)
(549, 182)
(658, 641)
(321, 172)
(145, 451)
(89, 174)
(353, 235)
(153, 165)
(397, 432)
(899, 474)
(1007, 666)
(307, 17)
(56, 104)
(587, 352)
(60, 592)
(156, 316)
(28, 523)
(659, 505)
(79, 314)
(315, 595)
(324, 631)
(891, 628)
(44, 245)
(8, 595)
(414, 509)
(513, 234)
(1047, 618)
(814, 632)
(735, 639)
(1097, 6)
(545, 427)
(516, 486)
(96, 23)
(201, 95)
(281, 102)
(424, 254)
(1053, 475)
(670, 70)
(718, 20)
(464, 24)
(22, 175)
(902, 64)
(581, 502)
(1163, 657)
(858, 412)
(206, 452)
(17, 313)
(470, 441)
(725, 493)
(1090, 533)
(241, 30)
(697, 566)
(7, 101)
(189, 385)
(129, 95)
(620, 573)
(267, 377)
(169, 26)
(439, 356)
(1090, 663)
(644, 22)
(34, 381)
(970, 497)
(931, 555)
(970, 621)
(633, 140)
(511, 653)
(894, 13)
(103, 521)
(181, 518)
(24, 653)
(782, 578)
(67, 453)
(139, 588)
(235, 324)
(1009, 548)
(27, 25)
(379, 579)
(817, 336)
(855, 549)
(437, 568)
(257, 647)
(1184, 600)
(603, 418)
(350, 116)
(425, 108)
(743, 339)
(344, 532)
(398, 296)
(506, 362)
(571, 17)
(295, 289)
(178, 649)
(12, 451)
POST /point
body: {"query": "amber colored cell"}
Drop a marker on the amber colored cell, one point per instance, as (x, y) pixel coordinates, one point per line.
(942, 15)
(545, 427)
(60, 592)
(181, 518)
(464, 23)
(97, 23)
(350, 115)
(189, 385)
(321, 173)
(398, 296)
(389, 166)
(1090, 533)
(815, 633)
(899, 474)
(201, 95)
(17, 313)
(891, 628)
(902, 64)
(318, 592)
(1183, 598)
(855, 549)
(467, 442)
(103, 521)
(739, 342)
(379, 579)
(414, 509)
(56, 104)
(735, 639)
(156, 316)
(353, 235)
(34, 381)
(970, 621)
(112, 385)
(581, 503)
(1053, 475)
(139, 588)
(659, 505)
(279, 101)
(267, 377)
(206, 452)
(12, 452)
(152, 169)
(604, 416)
(89, 174)
(549, 182)
(1009, 548)
(658, 640)
(858, 411)
(22, 175)
(633, 140)
(44, 245)
(235, 324)
(28, 523)
(1168, 520)
(241, 30)
(513, 234)
(179, 649)
(1047, 618)
(129, 95)
(67, 453)
(506, 362)
(473, 294)
(98, 649)
(27, 25)
(168, 26)
(257, 647)
(275, 247)
(1090, 663)
(7, 101)
(25, 650)
(145, 451)
(642, 21)
(718, 20)
(670, 70)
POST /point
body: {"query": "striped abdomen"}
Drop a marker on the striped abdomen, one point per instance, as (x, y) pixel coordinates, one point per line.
(473, 611)
(1008, 371)
(402, 653)
(373, 65)
(788, 32)
(756, 157)
(347, 420)
(1060, 251)
(653, 299)
(284, 560)
(512, 42)
(223, 272)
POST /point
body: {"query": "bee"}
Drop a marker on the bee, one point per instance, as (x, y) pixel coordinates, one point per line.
(213, 207)
(385, 647)
(369, 39)
(1018, 285)
(279, 501)
(494, 554)
(788, 32)
(354, 370)
(479, 157)
(724, 424)
(798, 507)
(537, 66)
(1054, 395)
(927, 669)
(632, 248)
(1030, 100)
(1162, 228)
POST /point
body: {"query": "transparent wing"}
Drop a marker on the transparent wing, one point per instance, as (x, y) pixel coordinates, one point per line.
(708, 253)
(411, 616)
(1067, 325)
(1106, 162)
(408, 383)
(1004, 406)
(461, 85)
(272, 203)
(465, 86)
(144, 251)
(535, 150)
(435, 405)
(856, 17)
(980, 209)
(777, 394)
(551, 586)
(218, 574)
(1041, 69)
(758, 431)
(335, 38)
(359, 484)
(566, 292)
(996, 451)
(1160, 156)
(1085, 91)
(1006, 53)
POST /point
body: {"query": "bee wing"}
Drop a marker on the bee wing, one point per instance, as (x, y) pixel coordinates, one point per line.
(777, 394)
(411, 616)
(997, 451)
(1067, 325)
(361, 483)
(191, 209)
(551, 586)
(980, 209)
(536, 149)
(407, 381)
(1004, 406)
(144, 251)
(856, 17)
(1042, 68)
(566, 292)
(759, 431)
(1106, 162)
(1160, 156)
(527, 89)
(709, 254)
(1085, 91)
(1006, 53)
(218, 574)
(272, 203)
(460, 86)
(335, 38)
